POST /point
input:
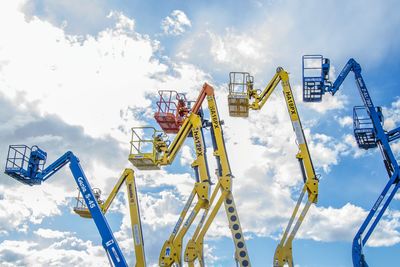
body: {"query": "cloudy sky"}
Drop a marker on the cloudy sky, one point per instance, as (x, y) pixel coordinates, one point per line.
(77, 75)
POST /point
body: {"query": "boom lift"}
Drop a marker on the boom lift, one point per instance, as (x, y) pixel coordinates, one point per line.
(368, 132)
(128, 176)
(162, 154)
(194, 248)
(242, 97)
(156, 151)
(26, 164)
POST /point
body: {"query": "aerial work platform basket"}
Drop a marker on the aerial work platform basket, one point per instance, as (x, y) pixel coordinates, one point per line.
(172, 110)
(81, 209)
(24, 163)
(364, 131)
(315, 74)
(147, 145)
(240, 83)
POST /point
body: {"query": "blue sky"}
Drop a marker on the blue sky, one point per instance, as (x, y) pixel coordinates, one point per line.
(78, 75)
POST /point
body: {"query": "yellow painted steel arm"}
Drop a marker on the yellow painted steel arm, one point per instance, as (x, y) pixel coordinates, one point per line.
(194, 249)
(171, 252)
(128, 176)
(136, 224)
(115, 190)
(170, 153)
(186, 127)
(283, 253)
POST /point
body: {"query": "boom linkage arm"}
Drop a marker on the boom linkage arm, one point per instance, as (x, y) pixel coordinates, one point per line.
(171, 151)
(55, 166)
(194, 248)
(261, 99)
(393, 134)
(351, 65)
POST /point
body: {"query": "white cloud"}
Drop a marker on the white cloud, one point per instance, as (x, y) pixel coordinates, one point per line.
(69, 252)
(22, 205)
(392, 115)
(176, 23)
(187, 155)
(325, 150)
(96, 77)
(341, 224)
(51, 234)
(345, 121)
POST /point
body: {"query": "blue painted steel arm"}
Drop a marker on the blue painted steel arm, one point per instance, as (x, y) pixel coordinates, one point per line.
(108, 240)
(359, 241)
(381, 136)
(350, 65)
(393, 134)
(55, 166)
(390, 161)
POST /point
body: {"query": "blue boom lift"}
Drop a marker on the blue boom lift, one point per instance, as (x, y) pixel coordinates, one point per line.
(368, 132)
(27, 165)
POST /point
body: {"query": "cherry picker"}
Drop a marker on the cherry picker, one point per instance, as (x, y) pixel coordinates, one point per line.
(150, 153)
(127, 177)
(27, 165)
(242, 97)
(194, 248)
(368, 131)
(160, 153)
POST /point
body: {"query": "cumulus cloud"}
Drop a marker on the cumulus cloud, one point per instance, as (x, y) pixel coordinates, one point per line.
(51, 234)
(345, 121)
(187, 155)
(87, 72)
(176, 23)
(69, 252)
(341, 224)
(392, 114)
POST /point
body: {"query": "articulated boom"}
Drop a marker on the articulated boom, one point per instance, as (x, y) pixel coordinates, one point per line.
(194, 248)
(163, 153)
(29, 169)
(369, 133)
(256, 100)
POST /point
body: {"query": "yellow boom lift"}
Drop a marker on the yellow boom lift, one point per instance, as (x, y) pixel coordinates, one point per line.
(156, 151)
(242, 97)
(128, 176)
(194, 248)
(162, 154)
